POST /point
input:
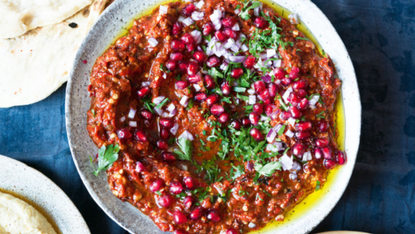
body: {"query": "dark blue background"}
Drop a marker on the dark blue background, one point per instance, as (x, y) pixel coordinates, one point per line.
(380, 198)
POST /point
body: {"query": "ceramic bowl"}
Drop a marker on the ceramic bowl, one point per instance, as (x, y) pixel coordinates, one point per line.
(108, 28)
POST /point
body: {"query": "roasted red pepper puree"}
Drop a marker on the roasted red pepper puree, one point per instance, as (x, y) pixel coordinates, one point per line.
(217, 190)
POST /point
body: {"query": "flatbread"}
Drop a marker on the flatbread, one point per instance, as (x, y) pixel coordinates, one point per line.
(19, 16)
(37, 63)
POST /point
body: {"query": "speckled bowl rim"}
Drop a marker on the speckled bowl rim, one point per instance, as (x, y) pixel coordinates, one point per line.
(25, 181)
(129, 217)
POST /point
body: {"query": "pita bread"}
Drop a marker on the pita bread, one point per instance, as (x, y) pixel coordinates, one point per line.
(37, 63)
(18, 17)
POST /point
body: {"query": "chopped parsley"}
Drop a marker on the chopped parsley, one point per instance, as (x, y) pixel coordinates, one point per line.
(162, 103)
(244, 14)
(186, 147)
(320, 115)
(267, 169)
(317, 185)
(107, 155)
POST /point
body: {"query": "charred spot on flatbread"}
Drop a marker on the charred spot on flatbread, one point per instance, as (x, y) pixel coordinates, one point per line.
(73, 25)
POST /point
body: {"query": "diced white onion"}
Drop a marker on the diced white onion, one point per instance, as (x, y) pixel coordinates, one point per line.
(133, 124)
(186, 135)
(235, 27)
(200, 4)
(293, 18)
(235, 48)
(251, 99)
(188, 21)
(251, 225)
(217, 14)
(244, 48)
(188, 0)
(184, 101)
(131, 114)
(296, 166)
(277, 63)
(263, 118)
(286, 162)
(292, 176)
(288, 133)
(256, 11)
(181, 18)
(146, 83)
(291, 120)
(251, 91)
(153, 42)
(313, 100)
(312, 107)
(158, 100)
(197, 87)
(163, 9)
(197, 35)
(196, 15)
(271, 136)
(174, 129)
(287, 94)
(271, 53)
(158, 111)
(237, 59)
(307, 156)
(122, 119)
(224, 66)
(171, 107)
(237, 11)
(229, 43)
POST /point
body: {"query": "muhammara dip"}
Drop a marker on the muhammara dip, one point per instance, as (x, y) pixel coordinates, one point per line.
(18, 217)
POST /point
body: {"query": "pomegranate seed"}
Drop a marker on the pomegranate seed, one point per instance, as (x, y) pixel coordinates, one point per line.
(187, 39)
(223, 118)
(265, 95)
(164, 133)
(199, 56)
(285, 115)
(190, 183)
(162, 144)
(146, 114)
(180, 232)
(322, 142)
(328, 163)
(269, 109)
(323, 126)
(298, 149)
(213, 215)
(179, 217)
(171, 65)
(236, 124)
(212, 99)
(139, 167)
(165, 201)
(181, 84)
(221, 36)
(301, 93)
(259, 108)
(294, 99)
(194, 78)
(300, 84)
(303, 127)
(341, 157)
(143, 92)
(191, 47)
(226, 88)
(192, 68)
(177, 27)
(188, 10)
(124, 133)
(141, 135)
(177, 45)
(254, 118)
(168, 156)
(217, 109)
(176, 56)
(176, 188)
(228, 22)
(183, 66)
(260, 22)
(210, 82)
(196, 213)
(249, 62)
(326, 152)
(213, 61)
(237, 72)
(302, 135)
(208, 28)
(231, 231)
(188, 202)
(156, 185)
(303, 104)
(286, 81)
(295, 113)
(256, 134)
(166, 122)
(200, 97)
(318, 153)
(294, 73)
(259, 86)
(272, 88)
(230, 33)
(245, 121)
(279, 73)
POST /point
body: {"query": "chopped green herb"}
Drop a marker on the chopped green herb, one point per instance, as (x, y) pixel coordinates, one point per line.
(317, 185)
(164, 69)
(186, 147)
(281, 131)
(162, 103)
(320, 115)
(245, 98)
(190, 105)
(267, 193)
(246, 8)
(93, 112)
(107, 155)
(302, 38)
(239, 89)
(268, 169)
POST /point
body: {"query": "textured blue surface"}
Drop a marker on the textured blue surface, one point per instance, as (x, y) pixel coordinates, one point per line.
(380, 198)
